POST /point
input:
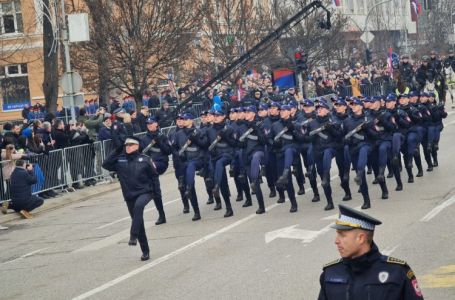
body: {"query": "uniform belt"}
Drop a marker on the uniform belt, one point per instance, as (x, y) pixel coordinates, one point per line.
(222, 145)
(192, 149)
(154, 149)
(358, 136)
(287, 137)
(380, 128)
(252, 137)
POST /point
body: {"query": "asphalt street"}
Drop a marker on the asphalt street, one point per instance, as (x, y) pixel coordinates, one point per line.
(80, 251)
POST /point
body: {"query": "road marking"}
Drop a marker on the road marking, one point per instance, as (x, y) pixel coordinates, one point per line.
(438, 209)
(389, 251)
(335, 216)
(129, 218)
(24, 256)
(167, 256)
(443, 277)
(291, 232)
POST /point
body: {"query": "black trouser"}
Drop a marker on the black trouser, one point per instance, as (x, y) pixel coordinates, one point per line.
(31, 204)
(136, 210)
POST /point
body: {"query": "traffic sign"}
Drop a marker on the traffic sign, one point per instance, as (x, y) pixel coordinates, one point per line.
(367, 37)
(75, 79)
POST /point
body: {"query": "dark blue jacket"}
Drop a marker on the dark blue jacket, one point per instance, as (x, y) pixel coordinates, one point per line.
(287, 139)
(370, 276)
(161, 149)
(120, 132)
(135, 172)
(198, 143)
(21, 186)
(364, 136)
(328, 138)
(104, 134)
(228, 139)
(254, 141)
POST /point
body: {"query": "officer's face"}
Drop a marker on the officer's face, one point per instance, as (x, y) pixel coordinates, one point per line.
(375, 105)
(413, 99)
(423, 99)
(179, 122)
(219, 119)
(189, 123)
(274, 111)
(241, 115)
(367, 105)
(357, 109)
(341, 109)
(404, 101)
(210, 118)
(390, 104)
(285, 114)
(152, 127)
(130, 148)
(263, 113)
(233, 116)
(249, 116)
(350, 242)
(308, 109)
(322, 111)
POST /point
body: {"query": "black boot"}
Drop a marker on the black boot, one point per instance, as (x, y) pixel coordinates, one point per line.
(293, 204)
(301, 190)
(210, 201)
(186, 205)
(329, 205)
(375, 181)
(347, 197)
(161, 219)
(239, 198)
(430, 168)
(366, 202)
(347, 191)
(272, 192)
(316, 198)
(132, 241)
(260, 210)
(218, 204)
(380, 178)
(385, 191)
(435, 158)
(369, 171)
(229, 212)
(418, 162)
(181, 182)
(216, 191)
(281, 197)
(247, 203)
(410, 175)
(283, 180)
(197, 215)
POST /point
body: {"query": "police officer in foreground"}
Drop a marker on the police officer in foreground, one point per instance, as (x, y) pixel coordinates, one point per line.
(135, 172)
(363, 272)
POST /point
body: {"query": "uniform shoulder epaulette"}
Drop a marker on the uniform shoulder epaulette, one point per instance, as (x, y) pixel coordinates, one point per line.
(393, 260)
(332, 263)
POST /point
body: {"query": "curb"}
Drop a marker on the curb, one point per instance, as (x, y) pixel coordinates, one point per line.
(64, 200)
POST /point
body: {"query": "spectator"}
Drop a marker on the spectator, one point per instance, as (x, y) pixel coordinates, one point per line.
(11, 134)
(164, 115)
(22, 200)
(355, 85)
(25, 111)
(105, 130)
(61, 135)
(141, 119)
(94, 124)
(154, 100)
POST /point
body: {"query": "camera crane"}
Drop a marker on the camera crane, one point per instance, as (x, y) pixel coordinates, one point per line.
(258, 48)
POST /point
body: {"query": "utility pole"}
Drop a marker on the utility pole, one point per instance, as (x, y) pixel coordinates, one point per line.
(65, 40)
(368, 17)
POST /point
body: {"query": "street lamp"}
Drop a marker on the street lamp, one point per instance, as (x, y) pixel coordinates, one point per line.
(366, 22)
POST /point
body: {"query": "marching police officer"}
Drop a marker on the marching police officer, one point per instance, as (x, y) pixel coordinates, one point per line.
(283, 143)
(363, 272)
(222, 139)
(157, 146)
(324, 134)
(136, 172)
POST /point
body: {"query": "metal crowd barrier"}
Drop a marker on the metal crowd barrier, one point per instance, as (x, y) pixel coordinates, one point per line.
(373, 89)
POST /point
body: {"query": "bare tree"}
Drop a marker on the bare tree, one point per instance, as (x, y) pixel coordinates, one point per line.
(50, 83)
(437, 26)
(136, 41)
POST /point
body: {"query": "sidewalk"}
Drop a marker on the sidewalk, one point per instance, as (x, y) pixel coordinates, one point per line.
(65, 199)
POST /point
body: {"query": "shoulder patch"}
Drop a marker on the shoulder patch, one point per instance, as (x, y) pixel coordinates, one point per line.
(332, 263)
(393, 260)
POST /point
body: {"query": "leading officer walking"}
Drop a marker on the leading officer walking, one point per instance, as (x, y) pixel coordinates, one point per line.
(363, 272)
(135, 172)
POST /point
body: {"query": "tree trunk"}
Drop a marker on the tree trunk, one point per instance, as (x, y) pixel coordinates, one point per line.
(50, 83)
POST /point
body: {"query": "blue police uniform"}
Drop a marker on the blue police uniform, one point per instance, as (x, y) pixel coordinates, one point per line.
(370, 275)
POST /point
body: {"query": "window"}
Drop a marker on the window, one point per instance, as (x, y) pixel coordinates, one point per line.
(14, 87)
(11, 17)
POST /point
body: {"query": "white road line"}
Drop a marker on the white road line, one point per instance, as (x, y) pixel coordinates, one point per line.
(167, 256)
(389, 251)
(129, 218)
(24, 256)
(438, 209)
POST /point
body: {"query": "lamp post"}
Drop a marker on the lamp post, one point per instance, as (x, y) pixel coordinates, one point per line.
(367, 18)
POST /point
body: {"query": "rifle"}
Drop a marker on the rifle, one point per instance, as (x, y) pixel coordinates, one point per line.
(217, 140)
(187, 143)
(320, 129)
(356, 129)
(246, 133)
(152, 143)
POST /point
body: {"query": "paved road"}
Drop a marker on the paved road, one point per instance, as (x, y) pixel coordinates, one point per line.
(80, 251)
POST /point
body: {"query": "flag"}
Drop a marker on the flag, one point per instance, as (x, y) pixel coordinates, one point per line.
(336, 2)
(389, 62)
(416, 10)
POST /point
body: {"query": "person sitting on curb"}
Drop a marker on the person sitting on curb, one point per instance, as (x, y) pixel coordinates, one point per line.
(22, 200)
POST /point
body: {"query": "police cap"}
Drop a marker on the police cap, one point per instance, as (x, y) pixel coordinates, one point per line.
(132, 140)
(151, 120)
(350, 218)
